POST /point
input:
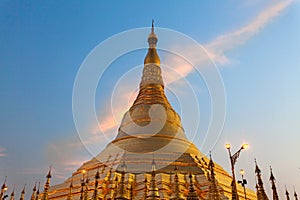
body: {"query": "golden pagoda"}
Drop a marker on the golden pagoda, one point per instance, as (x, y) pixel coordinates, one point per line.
(151, 157)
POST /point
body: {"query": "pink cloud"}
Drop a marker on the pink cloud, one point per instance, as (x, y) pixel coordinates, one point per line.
(3, 152)
(217, 48)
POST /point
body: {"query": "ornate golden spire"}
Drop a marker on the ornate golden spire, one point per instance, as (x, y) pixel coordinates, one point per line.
(37, 192)
(151, 117)
(82, 186)
(272, 179)
(47, 185)
(12, 195)
(213, 193)
(122, 188)
(86, 190)
(33, 192)
(295, 195)
(192, 195)
(145, 188)
(152, 71)
(287, 194)
(70, 190)
(23, 193)
(107, 180)
(152, 56)
(3, 188)
(261, 194)
(153, 190)
(177, 194)
(97, 177)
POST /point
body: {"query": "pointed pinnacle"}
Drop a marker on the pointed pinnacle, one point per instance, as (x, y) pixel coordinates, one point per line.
(49, 173)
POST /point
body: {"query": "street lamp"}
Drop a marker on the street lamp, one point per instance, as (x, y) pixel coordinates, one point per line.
(233, 159)
(243, 182)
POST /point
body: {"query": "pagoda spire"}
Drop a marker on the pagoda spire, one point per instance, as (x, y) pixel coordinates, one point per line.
(22, 197)
(3, 189)
(33, 192)
(177, 195)
(153, 190)
(86, 189)
(70, 190)
(295, 195)
(37, 192)
(152, 71)
(192, 195)
(151, 115)
(213, 192)
(287, 194)
(107, 180)
(82, 186)
(273, 180)
(97, 177)
(121, 193)
(145, 188)
(261, 194)
(12, 195)
(47, 185)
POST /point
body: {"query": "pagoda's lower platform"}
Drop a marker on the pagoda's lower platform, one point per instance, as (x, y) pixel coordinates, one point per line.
(138, 173)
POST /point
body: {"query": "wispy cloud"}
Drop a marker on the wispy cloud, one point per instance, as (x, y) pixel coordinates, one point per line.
(3, 152)
(216, 50)
(227, 41)
(32, 171)
(66, 155)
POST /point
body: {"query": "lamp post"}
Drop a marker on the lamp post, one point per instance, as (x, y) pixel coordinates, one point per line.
(233, 159)
(243, 182)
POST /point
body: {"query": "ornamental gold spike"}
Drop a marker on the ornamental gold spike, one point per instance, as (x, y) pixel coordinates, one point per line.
(261, 194)
(272, 179)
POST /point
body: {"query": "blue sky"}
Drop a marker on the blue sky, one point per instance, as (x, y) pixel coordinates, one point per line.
(254, 44)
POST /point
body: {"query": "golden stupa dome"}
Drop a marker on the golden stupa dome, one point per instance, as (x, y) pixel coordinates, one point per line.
(151, 123)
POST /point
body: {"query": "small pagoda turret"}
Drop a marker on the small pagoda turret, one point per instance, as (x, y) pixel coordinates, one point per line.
(213, 191)
(287, 194)
(153, 190)
(37, 192)
(121, 193)
(295, 195)
(95, 194)
(47, 185)
(70, 190)
(22, 197)
(192, 195)
(176, 195)
(274, 190)
(12, 195)
(33, 192)
(3, 189)
(260, 191)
